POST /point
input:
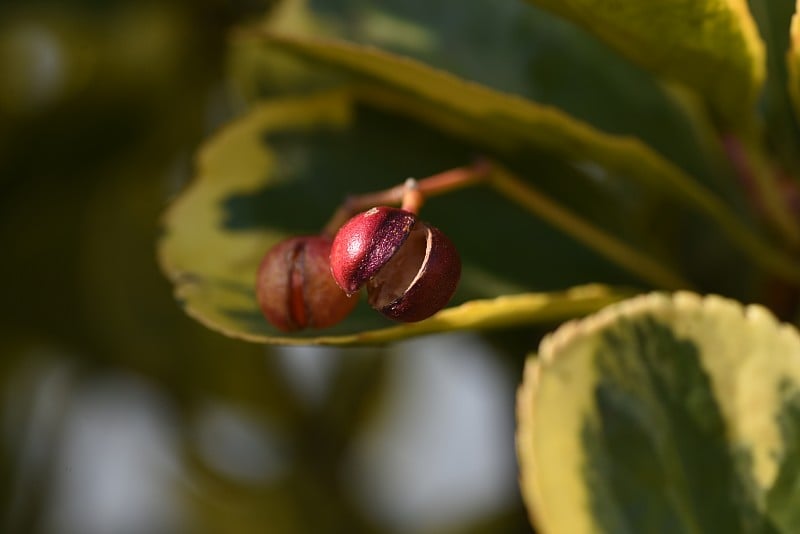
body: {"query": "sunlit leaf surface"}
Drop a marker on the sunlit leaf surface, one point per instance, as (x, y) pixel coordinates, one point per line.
(663, 414)
(712, 46)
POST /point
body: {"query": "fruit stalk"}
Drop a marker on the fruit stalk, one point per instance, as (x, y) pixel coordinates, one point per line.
(410, 194)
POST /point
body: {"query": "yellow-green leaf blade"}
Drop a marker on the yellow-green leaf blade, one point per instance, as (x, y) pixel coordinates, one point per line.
(486, 314)
(663, 414)
(711, 46)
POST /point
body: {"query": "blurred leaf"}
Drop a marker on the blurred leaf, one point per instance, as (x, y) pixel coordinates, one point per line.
(712, 46)
(663, 414)
(509, 126)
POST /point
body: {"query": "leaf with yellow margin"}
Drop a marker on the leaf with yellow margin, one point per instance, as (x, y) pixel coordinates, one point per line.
(663, 413)
(264, 177)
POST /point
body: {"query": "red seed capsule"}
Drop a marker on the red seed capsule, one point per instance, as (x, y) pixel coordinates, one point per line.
(410, 268)
(295, 289)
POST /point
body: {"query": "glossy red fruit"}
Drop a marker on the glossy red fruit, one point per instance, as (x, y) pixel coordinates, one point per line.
(410, 269)
(295, 289)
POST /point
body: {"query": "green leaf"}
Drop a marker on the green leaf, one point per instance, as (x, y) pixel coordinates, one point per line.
(508, 126)
(469, 109)
(793, 60)
(283, 168)
(544, 58)
(711, 46)
(663, 414)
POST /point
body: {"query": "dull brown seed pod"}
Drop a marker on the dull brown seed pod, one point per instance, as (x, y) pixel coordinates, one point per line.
(410, 269)
(295, 289)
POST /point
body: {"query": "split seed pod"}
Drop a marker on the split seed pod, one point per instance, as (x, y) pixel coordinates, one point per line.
(295, 289)
(410, 269)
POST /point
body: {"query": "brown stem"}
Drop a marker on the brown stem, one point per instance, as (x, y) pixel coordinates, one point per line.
(411, 194)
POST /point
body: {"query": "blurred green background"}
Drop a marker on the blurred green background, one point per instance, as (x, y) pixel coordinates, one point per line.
(122, 415)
